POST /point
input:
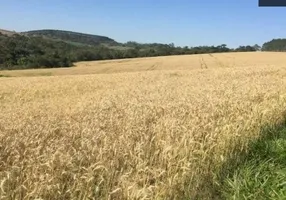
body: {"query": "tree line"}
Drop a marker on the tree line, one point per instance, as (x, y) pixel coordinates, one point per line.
(22, 52)
(278, 45)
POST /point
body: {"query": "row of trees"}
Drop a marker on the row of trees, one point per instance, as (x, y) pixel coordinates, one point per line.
(20, 52)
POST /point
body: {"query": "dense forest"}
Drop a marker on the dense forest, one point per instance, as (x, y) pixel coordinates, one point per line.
(52, 48)
(275, 45)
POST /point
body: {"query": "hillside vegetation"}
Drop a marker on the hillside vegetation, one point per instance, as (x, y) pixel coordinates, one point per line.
(70, 36)
(275, 45)
(22, 52)
(55, 48)
(151, 134)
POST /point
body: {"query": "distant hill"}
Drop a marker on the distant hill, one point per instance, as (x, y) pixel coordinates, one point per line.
(72, 37)
(6, 32)
(58, 48)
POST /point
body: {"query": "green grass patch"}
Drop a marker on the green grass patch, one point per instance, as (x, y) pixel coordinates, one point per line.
(262, 174)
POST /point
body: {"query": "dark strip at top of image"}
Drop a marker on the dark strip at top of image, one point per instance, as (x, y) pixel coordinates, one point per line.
(272, 3)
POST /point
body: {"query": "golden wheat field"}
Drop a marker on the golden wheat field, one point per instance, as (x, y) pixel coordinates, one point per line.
(163, 131)
(185, 62)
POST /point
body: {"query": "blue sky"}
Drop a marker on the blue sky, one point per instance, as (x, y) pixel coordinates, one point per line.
(182, 22)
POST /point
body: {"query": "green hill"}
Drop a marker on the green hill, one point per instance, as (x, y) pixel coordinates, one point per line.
(72, 37)
(57, 48)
